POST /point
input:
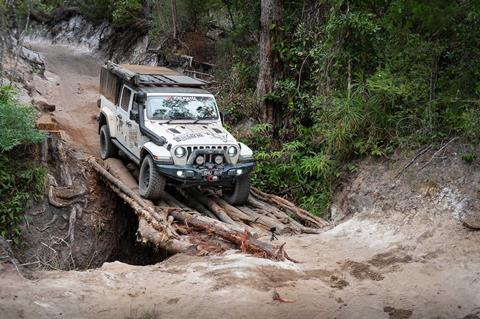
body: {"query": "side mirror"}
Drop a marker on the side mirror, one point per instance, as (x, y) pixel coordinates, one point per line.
(134, 113)
(141, 97)
(225, 117)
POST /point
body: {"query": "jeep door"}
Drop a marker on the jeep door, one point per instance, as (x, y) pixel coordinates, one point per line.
(133, 130)
(122, 115)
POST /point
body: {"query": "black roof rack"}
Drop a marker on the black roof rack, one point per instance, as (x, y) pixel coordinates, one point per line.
(153, 76)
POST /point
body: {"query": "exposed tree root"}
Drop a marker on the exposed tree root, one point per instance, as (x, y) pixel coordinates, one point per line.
(49, 224)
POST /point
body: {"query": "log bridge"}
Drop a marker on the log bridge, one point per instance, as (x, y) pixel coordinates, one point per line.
(201, 222)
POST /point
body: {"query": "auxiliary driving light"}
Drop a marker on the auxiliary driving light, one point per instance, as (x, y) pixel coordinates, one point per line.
(232, 151)
(218, 159)
(180, 173)
(180, 151)
(200, 160)
(239, 172)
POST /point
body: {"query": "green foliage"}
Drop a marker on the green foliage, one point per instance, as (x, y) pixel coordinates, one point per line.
(20, 182)
(20, 179)
(362, 78)
(17, 123)
(125, 12)
(469, 157)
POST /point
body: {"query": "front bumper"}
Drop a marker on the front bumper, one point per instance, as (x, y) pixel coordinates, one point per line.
(190, 175)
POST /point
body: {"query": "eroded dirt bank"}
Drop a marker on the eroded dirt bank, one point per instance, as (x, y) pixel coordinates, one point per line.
(398, 249)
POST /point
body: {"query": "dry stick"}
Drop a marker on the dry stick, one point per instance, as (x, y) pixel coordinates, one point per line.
(438, 152)
(49, 224)
(423, 151)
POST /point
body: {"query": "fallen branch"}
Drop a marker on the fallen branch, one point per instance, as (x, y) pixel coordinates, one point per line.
(423, 151)
(438, 152)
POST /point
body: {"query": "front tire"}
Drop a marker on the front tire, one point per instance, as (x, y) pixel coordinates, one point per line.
(150, 183)
(238, 194)
(107, 148)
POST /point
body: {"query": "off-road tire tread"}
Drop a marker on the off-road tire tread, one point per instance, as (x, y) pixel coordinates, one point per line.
(157, 181)
(238, 195)
(110, 148)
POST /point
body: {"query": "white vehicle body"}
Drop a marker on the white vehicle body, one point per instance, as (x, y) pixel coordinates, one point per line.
(186, 151)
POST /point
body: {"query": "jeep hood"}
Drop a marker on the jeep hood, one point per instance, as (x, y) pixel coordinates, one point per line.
(192, 134)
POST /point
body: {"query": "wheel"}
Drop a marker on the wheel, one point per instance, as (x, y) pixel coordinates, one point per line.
(150, 182)
(238, 194)
(107, 148)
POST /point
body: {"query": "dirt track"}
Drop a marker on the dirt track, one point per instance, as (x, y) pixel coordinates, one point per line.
(373, 265)
(74, 91)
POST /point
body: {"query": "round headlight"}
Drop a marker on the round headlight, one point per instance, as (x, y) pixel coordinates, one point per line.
(232, 151)
(180, 152)
(218, 159)
(200, 160)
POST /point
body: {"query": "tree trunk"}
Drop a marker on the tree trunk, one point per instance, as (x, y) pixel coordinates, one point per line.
(270, 15)
(174, 19)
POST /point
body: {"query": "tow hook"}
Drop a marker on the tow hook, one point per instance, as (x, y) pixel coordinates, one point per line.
(212, 178)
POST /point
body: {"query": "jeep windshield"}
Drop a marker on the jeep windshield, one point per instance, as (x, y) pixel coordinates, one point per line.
(184, 108)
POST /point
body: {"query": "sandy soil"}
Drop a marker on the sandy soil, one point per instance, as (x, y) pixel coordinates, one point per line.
(362, 268)
(74, 79)
(368, 266)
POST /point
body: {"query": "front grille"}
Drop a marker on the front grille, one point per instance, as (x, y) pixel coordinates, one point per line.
(209, 158)
(190, 149)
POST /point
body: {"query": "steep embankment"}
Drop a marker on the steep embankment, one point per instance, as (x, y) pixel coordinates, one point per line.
(101, 40)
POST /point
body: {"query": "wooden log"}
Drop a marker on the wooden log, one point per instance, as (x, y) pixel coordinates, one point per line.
(237, 215)
(298, 212)
(116, 167)
(172, 201)
(174, 246)
(265, 220)
(232, 210)
(135, 201)
(214, 207)
(195, 204)
(243, 240)
(282, 216)
(157, 221)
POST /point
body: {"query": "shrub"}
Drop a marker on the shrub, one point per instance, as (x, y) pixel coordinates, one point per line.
(21, 179)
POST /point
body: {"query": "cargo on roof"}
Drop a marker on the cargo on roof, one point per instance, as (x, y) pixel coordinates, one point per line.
(148, 69)
(142, 77)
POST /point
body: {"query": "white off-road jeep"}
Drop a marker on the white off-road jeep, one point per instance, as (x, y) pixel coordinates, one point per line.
(171, 127)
